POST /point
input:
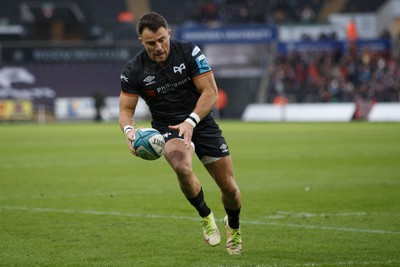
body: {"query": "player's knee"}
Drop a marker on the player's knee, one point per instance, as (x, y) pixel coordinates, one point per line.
(231, 191)
(183, 170)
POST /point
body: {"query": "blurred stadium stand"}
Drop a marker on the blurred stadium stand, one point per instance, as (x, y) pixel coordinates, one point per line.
(63, 44)
(238, 11)
(355, 6)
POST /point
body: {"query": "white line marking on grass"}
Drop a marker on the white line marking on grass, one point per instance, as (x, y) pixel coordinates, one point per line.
(158, 216)
(73, 195)
(95, 212)
(287, 214)
(343, 229)
(340, 263)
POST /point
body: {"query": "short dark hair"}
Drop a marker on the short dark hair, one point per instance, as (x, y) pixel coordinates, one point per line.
(153, 21)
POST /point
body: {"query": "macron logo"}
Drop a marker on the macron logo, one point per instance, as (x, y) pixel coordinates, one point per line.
(180, 68)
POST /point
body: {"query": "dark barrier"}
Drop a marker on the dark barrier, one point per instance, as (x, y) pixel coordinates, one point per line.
(42, 73)
(42, 83)
(64, 54)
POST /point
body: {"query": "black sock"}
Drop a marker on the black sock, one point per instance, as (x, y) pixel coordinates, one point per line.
(233, 218)
(200, 205)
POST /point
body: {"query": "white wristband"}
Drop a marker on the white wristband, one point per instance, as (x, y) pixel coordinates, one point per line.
(128, 128)
(195, 116)
(189, 120)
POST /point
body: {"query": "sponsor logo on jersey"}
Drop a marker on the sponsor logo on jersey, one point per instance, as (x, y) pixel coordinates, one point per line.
(195, 51)
(202, 63)
(169, 87)
(180, 68)
(123, 77)
(151, 93)
(149, 80)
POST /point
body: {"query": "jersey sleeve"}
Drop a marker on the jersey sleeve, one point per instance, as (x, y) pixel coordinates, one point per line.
(198, 62)
(128, 83)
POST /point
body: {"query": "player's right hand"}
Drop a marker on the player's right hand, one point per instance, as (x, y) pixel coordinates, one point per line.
(130, 137)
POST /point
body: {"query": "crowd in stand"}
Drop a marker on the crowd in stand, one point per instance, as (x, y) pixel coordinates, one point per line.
(319, 76)
(261, 11)
(253, 11)
(336, 76)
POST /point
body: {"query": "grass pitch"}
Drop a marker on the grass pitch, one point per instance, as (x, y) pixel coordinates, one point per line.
(313, 195)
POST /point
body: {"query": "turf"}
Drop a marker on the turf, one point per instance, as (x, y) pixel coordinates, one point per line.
(313, 195)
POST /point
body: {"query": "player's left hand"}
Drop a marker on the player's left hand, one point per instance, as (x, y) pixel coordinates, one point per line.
(185, 130)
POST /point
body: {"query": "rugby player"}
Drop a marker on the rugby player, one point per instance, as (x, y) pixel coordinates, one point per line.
(176, 82)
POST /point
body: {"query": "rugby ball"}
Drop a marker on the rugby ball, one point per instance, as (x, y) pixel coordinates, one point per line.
(148, 144)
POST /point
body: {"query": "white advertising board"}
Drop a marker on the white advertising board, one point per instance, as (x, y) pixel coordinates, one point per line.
(334, 112)
(82, 108)
(381, 112)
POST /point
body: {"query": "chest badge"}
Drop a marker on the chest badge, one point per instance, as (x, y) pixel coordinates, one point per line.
(180, 68)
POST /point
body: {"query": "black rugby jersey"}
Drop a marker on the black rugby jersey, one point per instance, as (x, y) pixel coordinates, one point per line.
(168, 90)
